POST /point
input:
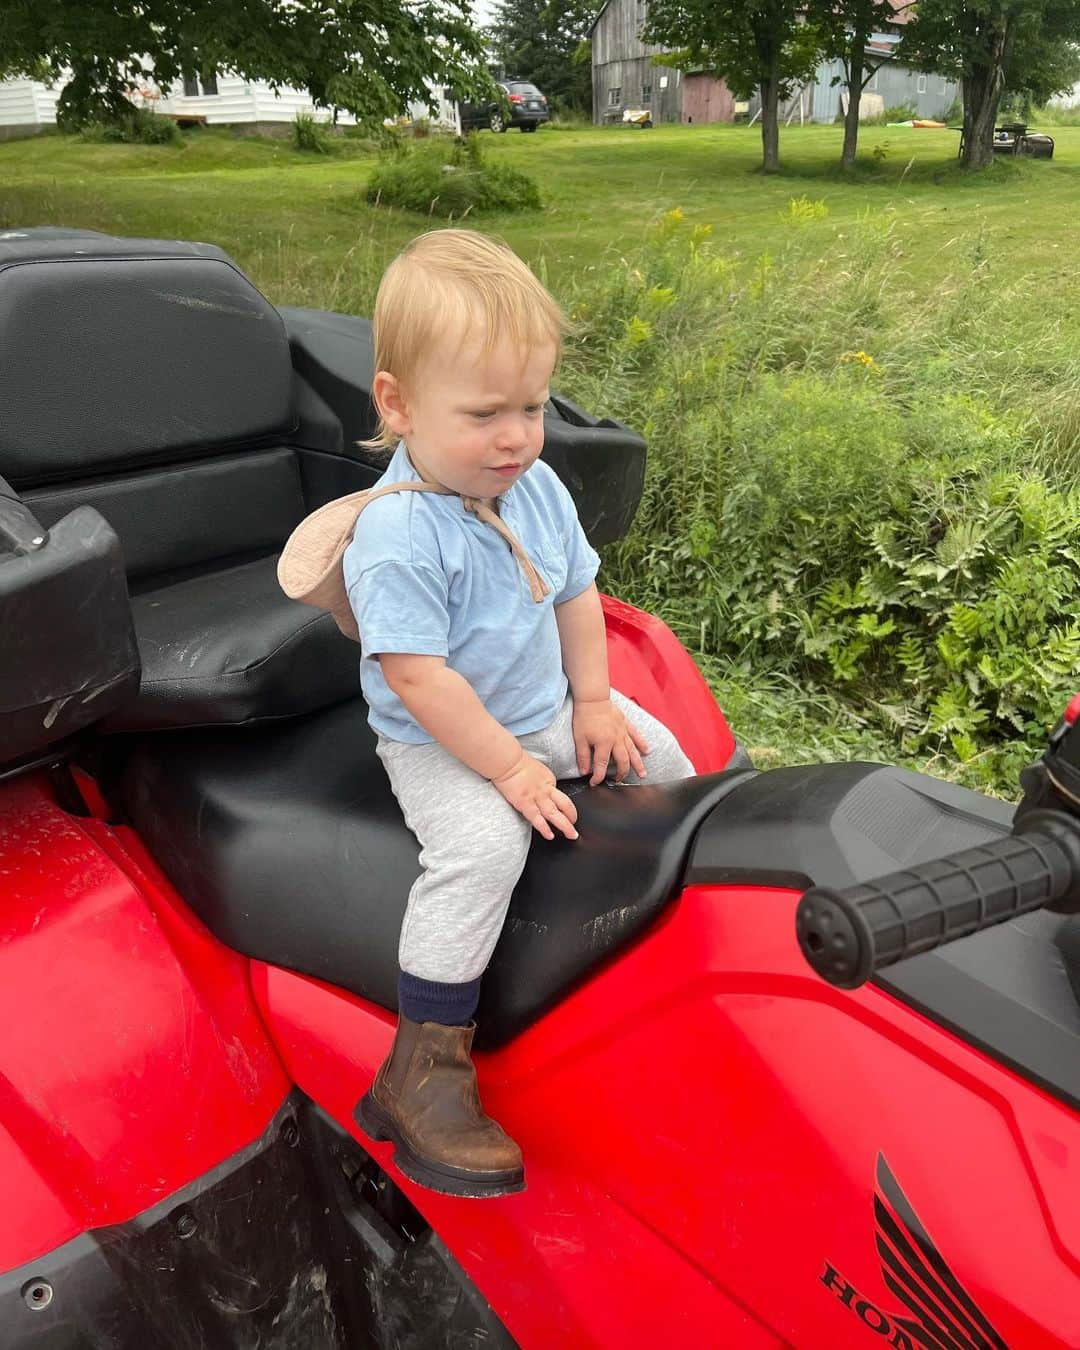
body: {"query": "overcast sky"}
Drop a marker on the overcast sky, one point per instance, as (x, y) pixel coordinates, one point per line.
(484, 11)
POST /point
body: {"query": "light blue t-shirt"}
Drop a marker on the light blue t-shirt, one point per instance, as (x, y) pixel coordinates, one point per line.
(427, 577)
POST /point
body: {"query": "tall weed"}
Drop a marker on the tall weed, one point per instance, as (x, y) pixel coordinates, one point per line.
(310, 135)
(868, 496)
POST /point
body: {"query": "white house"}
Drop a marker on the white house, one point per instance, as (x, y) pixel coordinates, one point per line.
(27, 105)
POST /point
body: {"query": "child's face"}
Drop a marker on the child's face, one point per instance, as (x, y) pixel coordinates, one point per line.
(473, 420)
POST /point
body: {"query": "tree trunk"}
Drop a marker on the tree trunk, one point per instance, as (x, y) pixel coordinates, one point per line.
(854, 96)
(770, 124)
(982, 95)
(862, 24)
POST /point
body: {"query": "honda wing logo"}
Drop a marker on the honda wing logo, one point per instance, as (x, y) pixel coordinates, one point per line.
(943, 1315)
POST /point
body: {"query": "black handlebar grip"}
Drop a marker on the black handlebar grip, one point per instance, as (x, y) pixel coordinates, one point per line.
(848, 934)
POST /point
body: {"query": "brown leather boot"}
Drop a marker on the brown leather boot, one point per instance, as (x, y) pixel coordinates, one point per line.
(425, 1099)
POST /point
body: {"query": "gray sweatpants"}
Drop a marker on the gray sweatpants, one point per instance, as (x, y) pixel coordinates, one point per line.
(473, 844)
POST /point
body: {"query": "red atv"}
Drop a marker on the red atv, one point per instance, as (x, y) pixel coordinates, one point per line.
(202, 876)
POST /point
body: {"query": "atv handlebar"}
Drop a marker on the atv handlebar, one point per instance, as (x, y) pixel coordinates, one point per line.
(848, 934)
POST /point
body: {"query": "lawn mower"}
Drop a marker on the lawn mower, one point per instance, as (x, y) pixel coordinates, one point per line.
(773, 1083)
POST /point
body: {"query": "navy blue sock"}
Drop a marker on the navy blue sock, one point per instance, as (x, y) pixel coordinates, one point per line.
(451, 1005)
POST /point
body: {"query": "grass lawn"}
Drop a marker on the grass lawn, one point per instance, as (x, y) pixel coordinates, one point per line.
(299, 225)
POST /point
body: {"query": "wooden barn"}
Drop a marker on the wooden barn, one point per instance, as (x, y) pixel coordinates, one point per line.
(624, 75)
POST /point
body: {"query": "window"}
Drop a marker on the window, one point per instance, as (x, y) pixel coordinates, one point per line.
(920, 85)
(614, 97)
(646, 93)
(209, 84)
(944, 86)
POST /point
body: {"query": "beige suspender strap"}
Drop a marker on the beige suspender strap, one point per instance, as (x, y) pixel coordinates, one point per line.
(402, 487)
(538, 587)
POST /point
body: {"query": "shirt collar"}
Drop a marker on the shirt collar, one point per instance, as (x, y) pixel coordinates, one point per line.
(401, 468)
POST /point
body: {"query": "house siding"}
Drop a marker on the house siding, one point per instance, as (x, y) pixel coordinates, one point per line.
(26, 103)
(233, 103)
(826, 94)
(900, 84)
(284, 104)
(897, 85)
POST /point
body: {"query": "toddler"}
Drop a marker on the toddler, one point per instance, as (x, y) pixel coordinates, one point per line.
(484, 665)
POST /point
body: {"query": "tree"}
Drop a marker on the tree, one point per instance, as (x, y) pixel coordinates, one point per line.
(750, 43)
(370, 57)
(1027, 46)
(543, 43)
(845, 27)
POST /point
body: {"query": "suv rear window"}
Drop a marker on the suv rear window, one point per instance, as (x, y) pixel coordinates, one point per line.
(518, 88)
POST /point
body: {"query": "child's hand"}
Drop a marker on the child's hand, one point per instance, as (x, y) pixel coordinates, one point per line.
(530, 788)
(602, 733)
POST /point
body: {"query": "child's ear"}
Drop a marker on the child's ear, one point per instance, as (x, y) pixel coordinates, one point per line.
(389, 398)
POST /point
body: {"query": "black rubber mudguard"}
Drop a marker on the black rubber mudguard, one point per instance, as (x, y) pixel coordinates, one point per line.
(298, 1242)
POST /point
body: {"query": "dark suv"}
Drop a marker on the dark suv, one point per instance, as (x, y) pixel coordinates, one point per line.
(523, 106)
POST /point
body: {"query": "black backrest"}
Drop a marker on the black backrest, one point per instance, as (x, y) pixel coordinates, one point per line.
(151, 380)
(153, 351)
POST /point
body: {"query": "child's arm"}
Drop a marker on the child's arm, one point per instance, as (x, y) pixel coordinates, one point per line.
(447, 707)
(601, 732)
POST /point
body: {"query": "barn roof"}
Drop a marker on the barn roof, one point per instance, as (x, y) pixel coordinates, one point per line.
(599, 12)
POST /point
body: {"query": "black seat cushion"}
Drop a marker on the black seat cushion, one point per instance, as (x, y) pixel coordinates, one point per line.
(288, 843)
(219, 641)
(229, 647)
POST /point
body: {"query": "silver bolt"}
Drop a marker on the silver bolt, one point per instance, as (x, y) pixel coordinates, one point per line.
(37, 1294)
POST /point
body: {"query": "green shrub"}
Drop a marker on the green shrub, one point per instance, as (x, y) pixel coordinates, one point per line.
(869, 498)
(449, 178)
(140, 126)
(310, 135)
(900, 112)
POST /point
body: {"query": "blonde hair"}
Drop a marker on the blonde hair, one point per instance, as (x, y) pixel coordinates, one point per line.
(449, 285)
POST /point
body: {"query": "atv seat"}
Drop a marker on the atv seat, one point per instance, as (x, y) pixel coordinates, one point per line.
(288, 843)
(150, 381)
